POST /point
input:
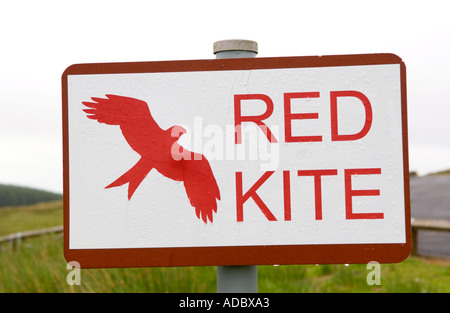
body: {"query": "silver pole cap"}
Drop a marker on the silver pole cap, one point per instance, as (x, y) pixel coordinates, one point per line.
(235, 45)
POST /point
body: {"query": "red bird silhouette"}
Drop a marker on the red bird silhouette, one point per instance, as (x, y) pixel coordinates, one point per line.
(159, 150)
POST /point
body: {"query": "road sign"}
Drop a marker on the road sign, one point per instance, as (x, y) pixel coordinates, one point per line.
(291, 160)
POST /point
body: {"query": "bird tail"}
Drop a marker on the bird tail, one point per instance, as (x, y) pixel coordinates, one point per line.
(134, 176)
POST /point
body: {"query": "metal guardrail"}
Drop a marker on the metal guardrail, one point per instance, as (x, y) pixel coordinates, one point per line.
(416, 225)
(17, 237)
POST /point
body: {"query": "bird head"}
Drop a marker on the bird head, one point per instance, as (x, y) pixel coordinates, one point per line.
(177, 131)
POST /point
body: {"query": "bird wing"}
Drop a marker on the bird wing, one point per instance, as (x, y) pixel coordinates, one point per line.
(133, 115)
(118, 110)
(201, 186)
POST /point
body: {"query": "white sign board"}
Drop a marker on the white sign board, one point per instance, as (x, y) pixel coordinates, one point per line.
(295, 156)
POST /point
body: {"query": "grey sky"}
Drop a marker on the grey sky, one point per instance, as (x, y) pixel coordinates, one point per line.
(39, 39)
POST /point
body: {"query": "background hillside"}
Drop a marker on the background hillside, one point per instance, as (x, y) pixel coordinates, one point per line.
(11, 195)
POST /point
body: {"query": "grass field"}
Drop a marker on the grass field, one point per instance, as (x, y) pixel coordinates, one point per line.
(38, 265)
(29, 217)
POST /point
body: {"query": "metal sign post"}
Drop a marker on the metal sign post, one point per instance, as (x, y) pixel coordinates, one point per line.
(236, 278)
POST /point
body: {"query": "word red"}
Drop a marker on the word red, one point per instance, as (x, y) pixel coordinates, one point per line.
(289, 116)
(318, 174)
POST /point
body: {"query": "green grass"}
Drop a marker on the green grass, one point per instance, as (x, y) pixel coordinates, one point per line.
(38, 265)
(445, 172)
(30, 217)
(413, 275)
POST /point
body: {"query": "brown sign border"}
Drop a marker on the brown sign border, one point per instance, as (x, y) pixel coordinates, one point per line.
(236, 255)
